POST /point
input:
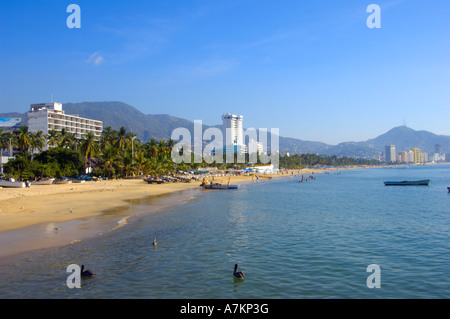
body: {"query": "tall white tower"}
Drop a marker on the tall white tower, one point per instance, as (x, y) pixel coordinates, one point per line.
(390, 153)
(235, 124)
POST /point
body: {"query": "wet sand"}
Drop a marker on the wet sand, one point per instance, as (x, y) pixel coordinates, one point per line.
(59, 233)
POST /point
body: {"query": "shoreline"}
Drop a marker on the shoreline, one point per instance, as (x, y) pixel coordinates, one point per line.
(31, 218)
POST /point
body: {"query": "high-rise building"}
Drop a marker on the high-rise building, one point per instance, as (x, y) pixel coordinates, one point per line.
(417, 155)
(390, 153)
(234, 125)
(438, 149)
(410, 156)
(50, 116)
(402, 157)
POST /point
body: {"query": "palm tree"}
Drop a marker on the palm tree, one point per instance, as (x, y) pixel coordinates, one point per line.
(4, 142)
(142, 163)
(108, 137)
(89, 147)
(153, 148)
(127, 163)
(52, 138)
(23, 139)
(122, 138)
(163, 149)
(37, 142)
(170, 144)
(72, 141)
(156, 167)
(63, 138)
(110, 159)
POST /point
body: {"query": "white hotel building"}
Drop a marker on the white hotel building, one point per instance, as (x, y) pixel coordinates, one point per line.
(50, 116)
(234, 124)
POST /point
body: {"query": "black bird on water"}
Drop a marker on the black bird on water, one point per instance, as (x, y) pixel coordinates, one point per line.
(86, 273)
(238, 274)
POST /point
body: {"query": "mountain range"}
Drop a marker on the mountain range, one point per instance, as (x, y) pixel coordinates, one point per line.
(160, 126)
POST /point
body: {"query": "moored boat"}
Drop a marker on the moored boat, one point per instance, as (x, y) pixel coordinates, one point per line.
(218, 186)
(11, 184)
(48, 181)
(424, 182)
(153, 180)
(448, 188)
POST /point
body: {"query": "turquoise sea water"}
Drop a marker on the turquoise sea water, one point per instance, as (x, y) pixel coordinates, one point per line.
(292, 240)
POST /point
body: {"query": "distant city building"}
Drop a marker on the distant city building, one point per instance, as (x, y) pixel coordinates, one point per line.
(390, 153)
(402, 157)
(447, 157)
(438, 157)
(259, 147)
(234, 124)
(50, 116)
(424, 157)
(410, 156)
(438, 149)
(417, 157)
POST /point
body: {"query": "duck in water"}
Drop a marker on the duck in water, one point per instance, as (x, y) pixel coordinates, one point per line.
(86, 273)
(238, 274)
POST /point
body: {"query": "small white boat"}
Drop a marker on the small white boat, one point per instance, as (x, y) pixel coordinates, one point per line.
(48, 181)
(11, 184)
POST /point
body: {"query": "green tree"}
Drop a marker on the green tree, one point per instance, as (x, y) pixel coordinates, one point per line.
(4, 142)
(52, 138)
(64, 139)
(127, 162)
(89, 147)
(23, 140)
(66, 162)
(122, 139)
(153, 148)
(110, 159)
(37, 141)
(108, 137)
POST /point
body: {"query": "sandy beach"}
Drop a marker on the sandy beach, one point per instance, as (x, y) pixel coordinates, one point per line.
(21, 208)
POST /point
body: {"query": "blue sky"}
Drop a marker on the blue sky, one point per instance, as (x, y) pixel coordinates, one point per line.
(313, 69)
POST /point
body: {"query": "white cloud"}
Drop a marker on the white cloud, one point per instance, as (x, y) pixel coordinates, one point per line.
(95, 59)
